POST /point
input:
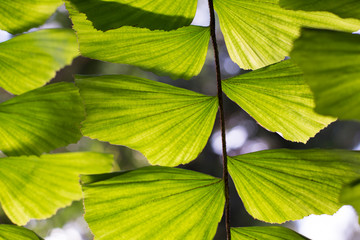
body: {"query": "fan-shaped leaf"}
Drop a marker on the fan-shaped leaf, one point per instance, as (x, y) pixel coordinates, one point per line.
(160, 14)
(41, 120)
(343, 8)
(259, 33)
(8, 232)
(21, 15)
(280, 185)
(279, 99)
(331, 65)
(265, 233)
(35, 187)
(180, 53)
(153, 203)
(169, 125)
(30, 60)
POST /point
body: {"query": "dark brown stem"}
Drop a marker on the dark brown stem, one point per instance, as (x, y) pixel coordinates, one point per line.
(222, 119)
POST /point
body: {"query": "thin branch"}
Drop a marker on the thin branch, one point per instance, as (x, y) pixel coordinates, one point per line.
(222, 119)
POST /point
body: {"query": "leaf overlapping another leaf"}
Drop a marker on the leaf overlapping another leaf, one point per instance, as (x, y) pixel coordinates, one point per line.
(41, 120)
(259, 33)
(8, 232)
(343, 8)
(281, 185)
(179, 53)
(30, 60)
(331, 65)
(160, 14)
(143, 201)
(21, 15)
(36, 187)
(279, 99)
(265, 233)
(169, 125)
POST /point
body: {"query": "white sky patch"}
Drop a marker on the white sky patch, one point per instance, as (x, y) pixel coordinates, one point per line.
(202, 16)
(73, 230)
(4, 36)
(357, 147)
(343, 225)
(235, 139)
(357, 32)
(230, 67)
(254, 146)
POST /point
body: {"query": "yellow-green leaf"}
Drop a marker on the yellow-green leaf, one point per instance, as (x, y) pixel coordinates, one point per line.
(169, 125)
(331, 65)
(36, 187)
(30, 60)
(179, 53)
(12, 232)
(259, 32)
(153, 203)
(41, 120)
(265, 233)
(21, 15)
(281, 185)
(159, 14)
(279, 99)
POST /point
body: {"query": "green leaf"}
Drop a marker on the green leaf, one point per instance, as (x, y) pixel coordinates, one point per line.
(8, 232)
(30, 60)
(21, 15)
(331, 64)
(280, 185)
(279, 99)
(265, 233)
(350, 195)
(343, 8)
(35, 187)
(159, 14)
(180, 53)
(153, 203)
(41, 120)
(169, 125)
(259, 33)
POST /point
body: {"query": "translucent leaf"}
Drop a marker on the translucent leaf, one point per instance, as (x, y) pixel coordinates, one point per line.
(350, 195)
(278, 98)
(35, 187)
(180, 53)
(259, 33)
(265, 233)
(343, 8)
(159, 14)
(153, 203)
(169, 125)
(280, 185)
(331, 64)
(30, 60)
(21, 15)
(8, 232)
(41, 120)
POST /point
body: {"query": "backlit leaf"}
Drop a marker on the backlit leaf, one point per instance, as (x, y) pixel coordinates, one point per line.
(35, 187)
(30, 60)
(8, 232)
(179, 53)
(41, 120)
(159, 14)
(169, 125)
(279, 99)
(280, 185)
(259, 33)
(153, 203)
(21, 15)
(343, 8)
(350, 195)
(331, 65)
(265, 233)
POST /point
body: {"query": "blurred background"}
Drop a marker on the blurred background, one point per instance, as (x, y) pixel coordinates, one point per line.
(244, 135)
